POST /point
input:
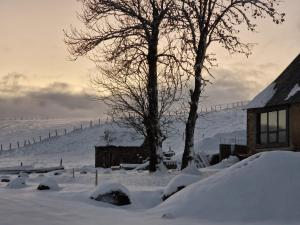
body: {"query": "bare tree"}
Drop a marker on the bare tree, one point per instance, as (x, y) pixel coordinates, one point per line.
(130, 32)
(205, 22)
(124, 91)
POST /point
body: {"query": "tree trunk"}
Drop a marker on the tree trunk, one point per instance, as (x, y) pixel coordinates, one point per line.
(188, 154)
(152, 128)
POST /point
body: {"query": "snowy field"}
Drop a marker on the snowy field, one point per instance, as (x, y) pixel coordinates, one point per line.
(77, 148)
(263, 189)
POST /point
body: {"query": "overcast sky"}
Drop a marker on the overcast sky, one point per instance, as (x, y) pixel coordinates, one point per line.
(37, 77)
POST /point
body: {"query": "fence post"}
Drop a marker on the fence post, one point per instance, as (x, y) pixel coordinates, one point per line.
(9, 146)
(24, 143)
(73, 173)
(56, 133)
(96, 178)
(91, 123)
(1, 146)
(49, 135)
(99, 121)
(61, 162)
(81, 127)
(40, 138)
(65, 131)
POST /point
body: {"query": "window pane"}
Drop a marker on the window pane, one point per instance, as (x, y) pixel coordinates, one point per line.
(282, 138)
(273, 121)
(263, 122)
(272, 137)
(263, 138)
(282, 120)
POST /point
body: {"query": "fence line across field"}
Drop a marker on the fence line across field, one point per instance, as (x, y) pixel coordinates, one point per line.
(176, 115)
(55, 133)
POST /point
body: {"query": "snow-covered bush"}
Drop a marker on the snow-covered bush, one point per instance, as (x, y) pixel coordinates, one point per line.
(114, 193)
(5, 178)
(48, 184)
(18, 182)
(178, 183)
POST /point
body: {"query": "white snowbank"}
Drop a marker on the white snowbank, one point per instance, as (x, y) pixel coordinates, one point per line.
(294, 91)
(50, 182)
(108, 187)
(178, 182)
(261, 189)
(263, 97)
(18, 182)
(225, 163)
(192, 170)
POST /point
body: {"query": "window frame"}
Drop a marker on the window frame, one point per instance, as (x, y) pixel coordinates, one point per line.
(259, 144)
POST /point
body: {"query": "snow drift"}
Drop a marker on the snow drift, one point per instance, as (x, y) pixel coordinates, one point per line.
(263, 188)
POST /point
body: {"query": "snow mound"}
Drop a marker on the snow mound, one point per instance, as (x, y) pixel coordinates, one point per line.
(112, 192)
(18, 182)
(48, 184)
(178, 183)
(225, 163)
(263, 188)
(191, 169)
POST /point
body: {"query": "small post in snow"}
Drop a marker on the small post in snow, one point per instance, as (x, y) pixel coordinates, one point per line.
(81, 127)
(9, 146)
(65, 131)
(73, 173)
(18, 144)
(1, 146)
(99, 121)
(60, 163)
(49, 135)
(40, 138)
(96, 178)
(56, 133)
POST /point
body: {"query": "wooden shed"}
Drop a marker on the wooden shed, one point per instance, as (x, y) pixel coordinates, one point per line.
(273, 116)
(108, 156)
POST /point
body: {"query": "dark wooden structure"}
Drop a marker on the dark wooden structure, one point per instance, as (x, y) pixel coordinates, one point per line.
(273, 117)
(108, 156)
(226, 150)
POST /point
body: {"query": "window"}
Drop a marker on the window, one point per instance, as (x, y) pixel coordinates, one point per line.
(273, 127)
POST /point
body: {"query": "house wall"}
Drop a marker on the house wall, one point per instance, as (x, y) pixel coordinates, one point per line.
(251, 131)
(107, 156)
(295, 126)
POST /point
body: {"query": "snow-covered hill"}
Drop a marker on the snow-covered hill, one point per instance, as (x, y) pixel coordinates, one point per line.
(77, 148)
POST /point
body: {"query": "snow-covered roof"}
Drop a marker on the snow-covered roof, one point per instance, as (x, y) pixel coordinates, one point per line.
(284, 90)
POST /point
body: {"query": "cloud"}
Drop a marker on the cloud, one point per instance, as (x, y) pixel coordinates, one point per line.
(55, 100)
(234, 85)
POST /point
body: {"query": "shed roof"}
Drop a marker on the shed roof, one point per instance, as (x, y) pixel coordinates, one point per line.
(284, 90)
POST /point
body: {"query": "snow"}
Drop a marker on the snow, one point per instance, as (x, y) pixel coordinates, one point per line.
(225, 163)
(18, 182)
(77, 148)
(263, 97)
(262, 189)
(108, 187)
(51, 183)
(294, 91)
(178, 182)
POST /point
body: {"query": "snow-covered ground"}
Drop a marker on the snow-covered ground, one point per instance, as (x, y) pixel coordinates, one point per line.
(263, 189)
(77, 148)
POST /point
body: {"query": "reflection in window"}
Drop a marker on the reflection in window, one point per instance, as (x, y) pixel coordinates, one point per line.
(273, 127)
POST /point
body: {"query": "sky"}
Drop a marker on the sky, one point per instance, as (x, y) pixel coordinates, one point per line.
(38, 79)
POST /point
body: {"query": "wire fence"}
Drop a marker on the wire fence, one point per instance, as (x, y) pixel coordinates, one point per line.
(63, 132)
